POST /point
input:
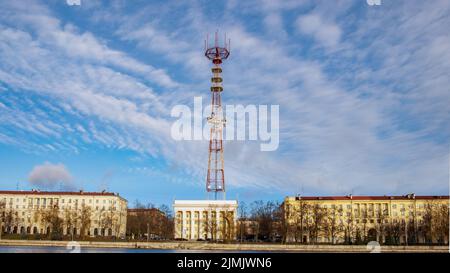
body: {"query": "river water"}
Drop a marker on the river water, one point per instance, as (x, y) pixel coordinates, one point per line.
(51, 249)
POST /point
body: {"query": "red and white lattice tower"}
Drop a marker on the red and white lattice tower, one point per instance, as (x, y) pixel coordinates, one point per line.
(215, 178)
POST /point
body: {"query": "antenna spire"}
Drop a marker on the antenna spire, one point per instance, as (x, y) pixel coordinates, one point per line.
(215, 178)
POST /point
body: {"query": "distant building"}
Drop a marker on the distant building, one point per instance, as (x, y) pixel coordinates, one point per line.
(143, 222)
(205, 219)
(65, 213)
(386, 219)
(247, 229)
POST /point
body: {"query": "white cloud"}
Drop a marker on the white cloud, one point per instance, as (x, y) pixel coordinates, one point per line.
(51, 176)
(326, 33)
(85, 45)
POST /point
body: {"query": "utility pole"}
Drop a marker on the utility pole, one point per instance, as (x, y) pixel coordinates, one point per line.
(148, 232)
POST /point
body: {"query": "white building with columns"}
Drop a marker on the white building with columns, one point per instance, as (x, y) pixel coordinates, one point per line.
(205, 219)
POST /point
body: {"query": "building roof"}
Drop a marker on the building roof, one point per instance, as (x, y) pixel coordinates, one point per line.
(382, 197)
(143, 210)
(205, 202)
(38, 192)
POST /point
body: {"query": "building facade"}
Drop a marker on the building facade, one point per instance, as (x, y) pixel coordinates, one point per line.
(205, 219)
(407, 219)
(63, 213)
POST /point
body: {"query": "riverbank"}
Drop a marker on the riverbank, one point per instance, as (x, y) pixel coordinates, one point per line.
(201, 246)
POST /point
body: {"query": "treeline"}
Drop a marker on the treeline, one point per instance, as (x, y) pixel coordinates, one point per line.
(55, 223)
(260, 221)
(149, 222)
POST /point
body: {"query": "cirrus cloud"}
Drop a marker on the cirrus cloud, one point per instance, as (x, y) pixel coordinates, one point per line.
(326, 33)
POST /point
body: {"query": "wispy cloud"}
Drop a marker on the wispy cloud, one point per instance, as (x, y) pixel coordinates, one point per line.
(326, 33)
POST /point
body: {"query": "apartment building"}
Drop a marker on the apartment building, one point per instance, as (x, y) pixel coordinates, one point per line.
(386, 219)
(66, 213)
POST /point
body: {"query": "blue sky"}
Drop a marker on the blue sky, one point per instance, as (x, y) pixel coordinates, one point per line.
(86, 93)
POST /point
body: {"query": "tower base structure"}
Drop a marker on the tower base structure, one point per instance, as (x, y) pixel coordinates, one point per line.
(205, 219)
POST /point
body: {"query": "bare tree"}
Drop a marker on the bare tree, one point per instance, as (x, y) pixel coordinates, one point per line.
(302, 227)
(210, 225)
(381, 216)
(227, 226)
(266, 216)
(317, 215)
(2, 216)
(349, 228)
(427, 227)
(243, 217)
(85, 219)
(441, 223)
(165, 218)
(53, 221)
(70, 220)
(157, 222)
(108, 221)
(331, 223)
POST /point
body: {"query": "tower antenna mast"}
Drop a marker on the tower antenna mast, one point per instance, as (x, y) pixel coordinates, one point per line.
(215, 178)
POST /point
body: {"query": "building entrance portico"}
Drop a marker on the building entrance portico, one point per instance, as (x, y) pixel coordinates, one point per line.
(205, 219)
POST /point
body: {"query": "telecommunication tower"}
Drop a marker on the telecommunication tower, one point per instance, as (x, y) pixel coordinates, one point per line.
(215, 178)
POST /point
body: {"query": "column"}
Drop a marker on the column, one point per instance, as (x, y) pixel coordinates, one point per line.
(209, 223)
(218, 228)
(193, 224)
(200, 222)
(183, 218)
